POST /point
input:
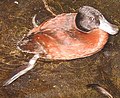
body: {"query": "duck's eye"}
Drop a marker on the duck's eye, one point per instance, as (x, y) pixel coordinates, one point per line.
(91, 18)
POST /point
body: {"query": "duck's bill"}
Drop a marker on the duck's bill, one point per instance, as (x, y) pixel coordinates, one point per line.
(108, 27)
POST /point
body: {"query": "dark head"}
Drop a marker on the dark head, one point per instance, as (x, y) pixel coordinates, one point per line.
(89, 18)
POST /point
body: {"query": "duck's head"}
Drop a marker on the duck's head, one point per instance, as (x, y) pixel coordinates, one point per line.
(89, 18)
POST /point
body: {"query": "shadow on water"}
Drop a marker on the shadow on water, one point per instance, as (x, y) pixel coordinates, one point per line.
(56, 79)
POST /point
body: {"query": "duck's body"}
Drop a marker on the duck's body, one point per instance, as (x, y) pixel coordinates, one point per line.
(59, 38)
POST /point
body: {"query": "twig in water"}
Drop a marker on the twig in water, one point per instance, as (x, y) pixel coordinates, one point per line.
(47, 8)
(100, 89)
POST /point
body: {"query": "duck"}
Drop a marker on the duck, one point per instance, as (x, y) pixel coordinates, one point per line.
(67, 36)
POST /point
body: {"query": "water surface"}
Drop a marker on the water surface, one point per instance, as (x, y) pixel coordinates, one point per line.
(56, 79)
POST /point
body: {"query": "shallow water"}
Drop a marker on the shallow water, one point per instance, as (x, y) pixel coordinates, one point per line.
(56, 79)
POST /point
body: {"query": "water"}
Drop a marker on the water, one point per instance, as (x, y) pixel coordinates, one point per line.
(56, 79)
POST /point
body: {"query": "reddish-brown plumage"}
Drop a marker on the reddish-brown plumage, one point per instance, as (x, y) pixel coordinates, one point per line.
(59, 38)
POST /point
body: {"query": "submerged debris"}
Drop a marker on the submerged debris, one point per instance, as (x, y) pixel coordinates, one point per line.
(16, 2)
(20, 71)
(99, 89)
(33, 21)
(48, 8)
